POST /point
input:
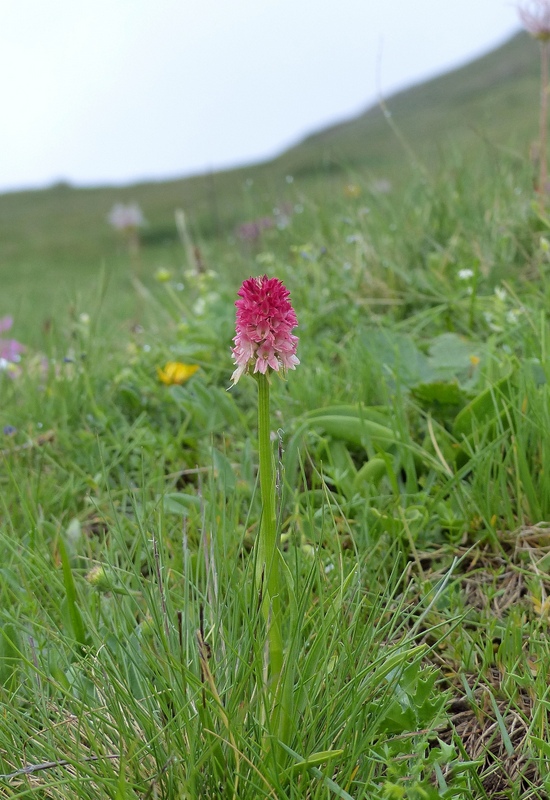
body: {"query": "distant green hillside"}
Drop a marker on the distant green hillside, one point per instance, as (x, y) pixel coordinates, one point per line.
(55, 240)
(494, 97)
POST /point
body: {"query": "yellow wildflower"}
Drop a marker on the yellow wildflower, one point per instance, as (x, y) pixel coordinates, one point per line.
(175, 372)
(352, 190)
(163, 275)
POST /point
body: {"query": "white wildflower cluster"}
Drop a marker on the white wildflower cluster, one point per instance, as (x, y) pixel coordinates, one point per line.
(465, 274)
(126, 217)
(501, 314)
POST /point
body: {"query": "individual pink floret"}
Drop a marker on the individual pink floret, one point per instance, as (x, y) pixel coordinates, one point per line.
(265, 319)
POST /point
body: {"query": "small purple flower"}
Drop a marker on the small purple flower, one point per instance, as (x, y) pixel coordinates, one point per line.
(266, 223)
(9, 430)
(251, 231)
(248, 232)
(5, 324)
(10, 349)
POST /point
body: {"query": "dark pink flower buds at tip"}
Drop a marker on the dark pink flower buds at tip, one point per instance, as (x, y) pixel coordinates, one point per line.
(265, 320)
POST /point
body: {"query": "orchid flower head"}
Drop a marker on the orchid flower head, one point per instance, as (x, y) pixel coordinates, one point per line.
(265, 319)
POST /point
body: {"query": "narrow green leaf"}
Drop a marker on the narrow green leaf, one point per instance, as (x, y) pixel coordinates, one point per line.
(316, 758)
(75, 616)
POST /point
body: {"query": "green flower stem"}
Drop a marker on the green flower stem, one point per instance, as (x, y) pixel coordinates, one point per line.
(267, 564)
(543, 124)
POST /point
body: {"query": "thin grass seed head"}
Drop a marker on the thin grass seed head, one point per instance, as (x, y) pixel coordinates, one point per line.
(265, 320)
(535, 18)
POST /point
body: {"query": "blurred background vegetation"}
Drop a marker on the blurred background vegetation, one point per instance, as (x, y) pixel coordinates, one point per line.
(55, 242)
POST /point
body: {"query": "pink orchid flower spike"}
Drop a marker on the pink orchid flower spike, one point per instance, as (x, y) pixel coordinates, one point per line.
(265, 320)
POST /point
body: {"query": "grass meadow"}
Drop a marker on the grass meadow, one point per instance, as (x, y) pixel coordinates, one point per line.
(412, 452)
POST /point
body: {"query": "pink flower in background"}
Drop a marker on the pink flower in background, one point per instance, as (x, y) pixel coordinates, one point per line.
(265, 319)
(126, 218)
(5, 324)
(251, 231)
(10, 349)
(535, 17)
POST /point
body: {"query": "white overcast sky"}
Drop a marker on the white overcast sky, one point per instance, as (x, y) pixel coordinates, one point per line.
(113, 91)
